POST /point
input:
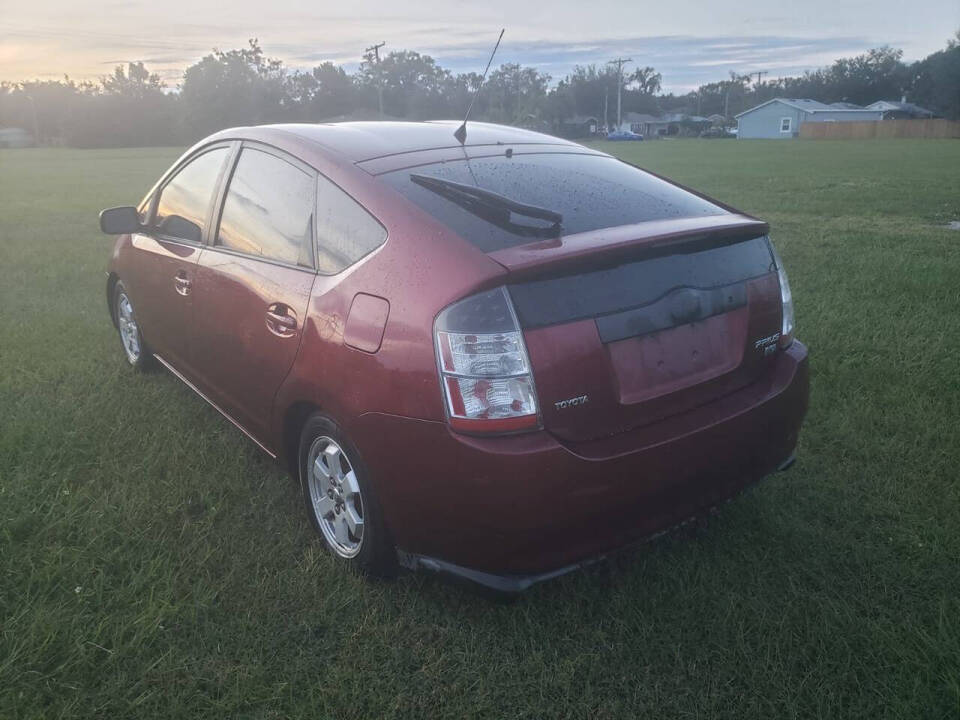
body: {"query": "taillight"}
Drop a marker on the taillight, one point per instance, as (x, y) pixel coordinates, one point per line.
(786, 302)
(484, 369)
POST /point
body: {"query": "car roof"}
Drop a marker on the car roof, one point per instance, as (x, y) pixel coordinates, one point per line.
(361, 141)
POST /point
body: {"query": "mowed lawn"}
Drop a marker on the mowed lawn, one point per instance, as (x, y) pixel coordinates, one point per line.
(153, 563)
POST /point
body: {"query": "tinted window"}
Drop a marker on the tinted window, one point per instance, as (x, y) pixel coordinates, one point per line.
(590, 191)
(268, 210)
(185, 200)
(345, 231)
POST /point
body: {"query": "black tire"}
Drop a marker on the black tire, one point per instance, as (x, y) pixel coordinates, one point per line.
(376, 553)
(143, 361)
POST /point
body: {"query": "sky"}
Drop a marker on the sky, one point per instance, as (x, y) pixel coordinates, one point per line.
(689, 42)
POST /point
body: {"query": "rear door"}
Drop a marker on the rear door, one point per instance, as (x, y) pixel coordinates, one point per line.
(253, 284)
(160, 278)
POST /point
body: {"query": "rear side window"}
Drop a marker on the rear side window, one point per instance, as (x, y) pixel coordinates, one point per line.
(590, 191)
(185, 200)
(268, 210)
(345, 231)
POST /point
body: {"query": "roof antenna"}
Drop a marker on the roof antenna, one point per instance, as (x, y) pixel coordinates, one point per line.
(461, 132)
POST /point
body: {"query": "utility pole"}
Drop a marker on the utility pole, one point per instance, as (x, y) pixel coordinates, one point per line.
(376, 57)
(759, 74)
(619, 62)
(606, 115)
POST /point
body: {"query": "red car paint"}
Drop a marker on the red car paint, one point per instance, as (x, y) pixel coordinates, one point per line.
(669, 422)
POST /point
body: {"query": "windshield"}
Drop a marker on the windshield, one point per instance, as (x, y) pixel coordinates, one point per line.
(591, 192)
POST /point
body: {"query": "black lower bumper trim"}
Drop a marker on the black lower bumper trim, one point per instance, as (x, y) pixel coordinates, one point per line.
(788, 463)
(514, 584)
(507, 584)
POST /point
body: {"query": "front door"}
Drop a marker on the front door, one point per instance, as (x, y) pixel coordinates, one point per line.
(253, 285)
(161, 276)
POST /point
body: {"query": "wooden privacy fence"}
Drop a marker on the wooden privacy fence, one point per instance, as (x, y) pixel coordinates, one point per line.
(880, 130)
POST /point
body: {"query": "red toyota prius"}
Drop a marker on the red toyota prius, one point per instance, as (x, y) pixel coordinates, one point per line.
(496, 359)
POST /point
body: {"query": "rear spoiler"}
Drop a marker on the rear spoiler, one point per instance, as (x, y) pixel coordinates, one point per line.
(609, 244)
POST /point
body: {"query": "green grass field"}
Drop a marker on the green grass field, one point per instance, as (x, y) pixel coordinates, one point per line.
(153, 563)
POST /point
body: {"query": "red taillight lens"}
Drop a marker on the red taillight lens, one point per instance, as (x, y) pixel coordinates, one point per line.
(787, 325)
(486, 378)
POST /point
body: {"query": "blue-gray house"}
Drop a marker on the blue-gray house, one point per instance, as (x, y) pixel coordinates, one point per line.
(781, 118)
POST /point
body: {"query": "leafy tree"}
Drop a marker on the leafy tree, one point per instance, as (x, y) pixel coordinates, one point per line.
(243, 86)
(589, 89)
(137, 82)
(646, 79)
(44, 107)
(727, 97)
(127, 109)
(935, 81)
(412, 84)
(876, 75)
(459, 91)
(237, 87)
(515, 93)
(325, 92)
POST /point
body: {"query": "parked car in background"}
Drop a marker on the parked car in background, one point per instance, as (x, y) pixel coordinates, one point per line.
(496, 360)
(619, 135)
(718, 133)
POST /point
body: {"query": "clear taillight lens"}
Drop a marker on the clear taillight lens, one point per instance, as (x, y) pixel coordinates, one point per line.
(484, 370)
(786, 301)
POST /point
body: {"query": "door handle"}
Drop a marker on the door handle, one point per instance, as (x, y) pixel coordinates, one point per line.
(280, 321)
(182, 284)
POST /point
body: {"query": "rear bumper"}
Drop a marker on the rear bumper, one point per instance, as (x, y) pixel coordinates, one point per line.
(513, 583)
(528, 507)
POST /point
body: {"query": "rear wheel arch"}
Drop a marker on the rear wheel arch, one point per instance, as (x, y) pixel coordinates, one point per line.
(294, 418)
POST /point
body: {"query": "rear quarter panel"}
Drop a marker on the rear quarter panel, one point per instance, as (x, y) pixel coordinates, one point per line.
(421, 268)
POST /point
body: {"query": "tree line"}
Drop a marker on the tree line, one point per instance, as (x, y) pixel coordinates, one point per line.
(132, 107)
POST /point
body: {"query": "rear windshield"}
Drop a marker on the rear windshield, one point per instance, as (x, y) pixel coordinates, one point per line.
(590, 191)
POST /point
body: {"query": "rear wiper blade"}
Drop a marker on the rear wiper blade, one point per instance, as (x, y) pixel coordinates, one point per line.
(472, 197)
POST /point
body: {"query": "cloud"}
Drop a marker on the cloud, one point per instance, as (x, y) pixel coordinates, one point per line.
(685, 61)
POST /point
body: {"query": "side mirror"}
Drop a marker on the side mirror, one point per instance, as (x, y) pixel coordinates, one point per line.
(120, 220)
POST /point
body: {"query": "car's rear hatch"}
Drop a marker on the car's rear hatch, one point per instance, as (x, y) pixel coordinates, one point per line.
(638, 298)
(632, 332)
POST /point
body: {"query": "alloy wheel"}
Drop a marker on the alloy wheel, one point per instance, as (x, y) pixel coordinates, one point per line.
(335, 496)
(127, 324)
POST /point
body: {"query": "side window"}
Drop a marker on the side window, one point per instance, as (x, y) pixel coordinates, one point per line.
(268, 211)
(185, 200)
(345, 231)
(785, 124)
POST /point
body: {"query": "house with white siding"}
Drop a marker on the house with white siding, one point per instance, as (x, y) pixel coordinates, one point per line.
(781, 118)
(902, 109)
(652, 126)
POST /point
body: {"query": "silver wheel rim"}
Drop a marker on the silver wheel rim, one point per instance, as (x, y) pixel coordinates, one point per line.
(335, 496)
(127, 324)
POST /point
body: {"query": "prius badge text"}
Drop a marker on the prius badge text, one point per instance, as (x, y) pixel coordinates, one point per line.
(767, 345)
